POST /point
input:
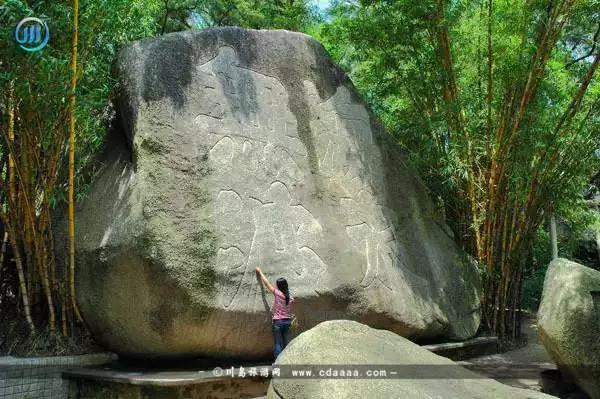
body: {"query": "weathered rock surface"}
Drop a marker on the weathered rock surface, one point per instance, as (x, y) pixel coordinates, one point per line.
(569, 322)
(244, 148)
(420, 373)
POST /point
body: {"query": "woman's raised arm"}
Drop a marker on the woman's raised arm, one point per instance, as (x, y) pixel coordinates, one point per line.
(264, 280)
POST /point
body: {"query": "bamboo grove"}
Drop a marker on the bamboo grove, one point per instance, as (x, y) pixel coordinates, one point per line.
(32, 149)
(497, 104)
(503, 222)
(48, 100)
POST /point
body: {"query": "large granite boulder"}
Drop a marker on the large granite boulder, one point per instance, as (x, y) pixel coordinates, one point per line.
(242, 148)
(404, 369)
(569, 322)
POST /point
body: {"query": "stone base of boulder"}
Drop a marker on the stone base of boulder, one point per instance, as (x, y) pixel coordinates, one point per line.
(131, 383)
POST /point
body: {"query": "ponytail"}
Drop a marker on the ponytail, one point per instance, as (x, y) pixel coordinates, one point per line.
(282, 285)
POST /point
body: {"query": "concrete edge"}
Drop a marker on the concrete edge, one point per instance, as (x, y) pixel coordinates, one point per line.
(159, 378)
(461, 344)
(57, 361)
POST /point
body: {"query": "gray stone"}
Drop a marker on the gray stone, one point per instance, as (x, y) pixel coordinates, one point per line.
(350, 346)
(243, 148)
(569, 322)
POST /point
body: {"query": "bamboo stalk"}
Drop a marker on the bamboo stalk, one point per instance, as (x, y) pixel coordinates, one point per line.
(43, 269)
(490, 66)
(63, 313)
(21, 276)
(51, 258)
(3, 247)
(71, 198)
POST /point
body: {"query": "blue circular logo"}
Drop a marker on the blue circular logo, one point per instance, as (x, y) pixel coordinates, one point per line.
(32, 34)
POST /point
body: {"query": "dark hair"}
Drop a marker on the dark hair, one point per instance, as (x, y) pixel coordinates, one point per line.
(282, 286)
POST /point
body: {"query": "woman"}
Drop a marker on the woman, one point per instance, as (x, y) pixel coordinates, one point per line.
(282, 317)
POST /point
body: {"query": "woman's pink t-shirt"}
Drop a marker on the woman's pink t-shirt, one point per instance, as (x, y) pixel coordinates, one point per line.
(280, 309)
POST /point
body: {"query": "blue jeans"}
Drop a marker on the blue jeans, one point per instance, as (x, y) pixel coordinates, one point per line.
(281, 335)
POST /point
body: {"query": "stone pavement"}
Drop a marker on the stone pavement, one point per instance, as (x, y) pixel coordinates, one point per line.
(523, 367)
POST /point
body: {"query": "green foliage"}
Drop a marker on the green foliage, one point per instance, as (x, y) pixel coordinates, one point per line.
(294, 15)
(388, 48)
(41, 79)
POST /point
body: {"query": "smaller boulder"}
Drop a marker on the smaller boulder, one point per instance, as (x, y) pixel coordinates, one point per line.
(569, 322)
(343, 346)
